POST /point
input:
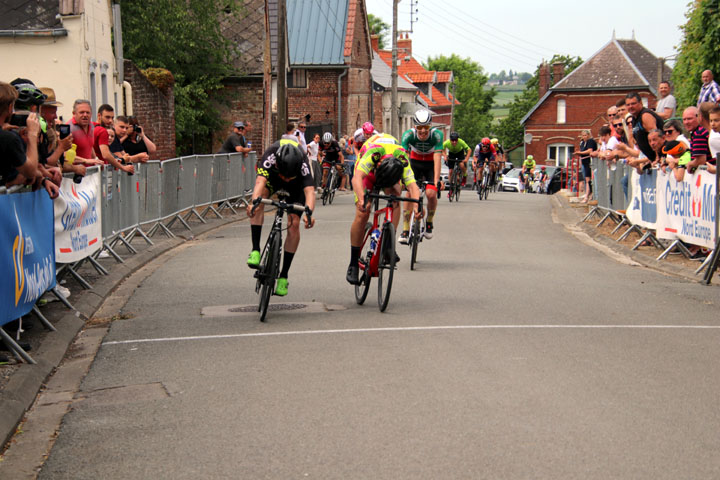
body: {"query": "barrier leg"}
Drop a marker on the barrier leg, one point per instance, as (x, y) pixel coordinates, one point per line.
(611, 215)
(99, 268)
(119, 238)
(42, 319)
(163, 228)
(633, 228)
(190, 214)
(712, 265)
(595, 211)
(79, 278)
(118, 258)
(15, 348)
(138, 230)
(623, 221)
(649, 235)
(677, 244)
(704, 264)
(209, 209)
(62, 298)
(183, 221)
(227, 204)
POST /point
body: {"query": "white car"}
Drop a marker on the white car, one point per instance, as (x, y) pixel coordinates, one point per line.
(511, 181)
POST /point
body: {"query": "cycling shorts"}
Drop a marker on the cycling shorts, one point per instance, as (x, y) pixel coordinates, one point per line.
(452, 162)
(423, 171)
(297, 193)
(327, 164)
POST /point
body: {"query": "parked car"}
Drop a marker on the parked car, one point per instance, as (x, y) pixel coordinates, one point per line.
(444, 175)
(511, 181)
(555, 175)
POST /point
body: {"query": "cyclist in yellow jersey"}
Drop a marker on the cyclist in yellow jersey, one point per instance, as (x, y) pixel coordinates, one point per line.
(528, 167)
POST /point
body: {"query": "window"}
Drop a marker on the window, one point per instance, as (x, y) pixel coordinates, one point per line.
(561, 110)
(297, 78)
(560, 153)
(93, 89)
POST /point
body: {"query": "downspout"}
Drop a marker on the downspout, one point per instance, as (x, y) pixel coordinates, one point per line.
(347, 68)
(118, 41)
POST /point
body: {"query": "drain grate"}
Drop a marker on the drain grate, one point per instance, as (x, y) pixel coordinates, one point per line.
(273, 307)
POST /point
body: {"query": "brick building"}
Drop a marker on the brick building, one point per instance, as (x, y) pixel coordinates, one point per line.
(580, 100)
(329, 62)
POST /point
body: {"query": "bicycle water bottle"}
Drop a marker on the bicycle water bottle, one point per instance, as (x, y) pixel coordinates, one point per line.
(374, 236)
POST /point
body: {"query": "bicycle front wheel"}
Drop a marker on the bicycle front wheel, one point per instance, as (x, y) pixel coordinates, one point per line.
(269, 271)
(333, 187)
(362, 289)
(414, 240)
(386, 267)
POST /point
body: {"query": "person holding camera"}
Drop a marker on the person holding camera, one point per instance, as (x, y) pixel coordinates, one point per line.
(236, 141)
(136, 142)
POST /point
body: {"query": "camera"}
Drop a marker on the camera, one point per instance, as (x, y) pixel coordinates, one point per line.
(19, 119)
(138, 129)
(63, 131)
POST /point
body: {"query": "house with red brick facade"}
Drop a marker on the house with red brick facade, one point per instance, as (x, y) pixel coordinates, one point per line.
(434, 87)
(328, 74)
(580, 100)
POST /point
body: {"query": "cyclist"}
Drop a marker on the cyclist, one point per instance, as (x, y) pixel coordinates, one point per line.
(361, 135)
(499, 163)
(484, 152)
(458, 153)
(528, 167)
(332, 157)
(425, 145)
(282, 167)
(382, 166)
(543, 178)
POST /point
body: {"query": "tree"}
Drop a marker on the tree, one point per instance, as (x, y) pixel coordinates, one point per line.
(698, 50)
(510, 130)
(380, 28)
(472, 116)
(184, 38)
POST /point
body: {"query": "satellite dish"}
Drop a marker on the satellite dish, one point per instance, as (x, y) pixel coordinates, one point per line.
(528, 138)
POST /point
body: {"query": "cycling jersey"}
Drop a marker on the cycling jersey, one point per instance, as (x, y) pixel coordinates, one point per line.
(478, 150)
(296, 186)
(529, 165)
(376, 139)
(332, 151)
(482, 157)
(422, 150)
(457, 151)
(367, 163)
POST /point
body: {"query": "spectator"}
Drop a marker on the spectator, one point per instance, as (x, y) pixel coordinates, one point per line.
(83, 132)
(714, 139)
(621, 108)
(606, 152)
(350, 156)
(665, 107)
(289, 134)
(673, 131)
(709, 92)
(16, 162)
(236, 140)
(101, 147)
(300, 134)
(587, 146)
(699, 149)
(136, 143)
(644, 121)
(312, 151)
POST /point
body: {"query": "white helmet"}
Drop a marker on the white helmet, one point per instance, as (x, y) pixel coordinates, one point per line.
(327, 137)
(422, 117)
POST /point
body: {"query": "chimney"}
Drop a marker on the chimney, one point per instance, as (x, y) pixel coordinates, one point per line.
(558, 72)
(404, 45)
(375, 42)
(543, 79)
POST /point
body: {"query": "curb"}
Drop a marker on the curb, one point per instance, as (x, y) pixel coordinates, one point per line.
(25, 383)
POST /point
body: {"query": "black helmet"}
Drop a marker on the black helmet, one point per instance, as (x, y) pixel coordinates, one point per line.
(454, 136)
(29, 94)
(288, 160)
(389, 171)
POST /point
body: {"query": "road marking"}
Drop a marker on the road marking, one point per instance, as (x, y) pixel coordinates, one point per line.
(415, 329)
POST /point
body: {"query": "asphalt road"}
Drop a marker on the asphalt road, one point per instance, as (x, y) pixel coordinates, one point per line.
(514, 351)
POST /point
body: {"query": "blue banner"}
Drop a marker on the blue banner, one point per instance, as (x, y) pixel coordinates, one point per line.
(27, 252)
(648, 195)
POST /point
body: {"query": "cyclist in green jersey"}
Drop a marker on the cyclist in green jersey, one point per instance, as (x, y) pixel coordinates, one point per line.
(425, 145)
(528, 168)
(458, 152)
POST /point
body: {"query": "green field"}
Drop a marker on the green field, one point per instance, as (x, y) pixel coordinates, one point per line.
(504, 96)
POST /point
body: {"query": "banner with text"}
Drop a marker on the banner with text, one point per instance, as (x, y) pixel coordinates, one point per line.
(27, 247)
(642, 207)
(686, 210)
(78, 226)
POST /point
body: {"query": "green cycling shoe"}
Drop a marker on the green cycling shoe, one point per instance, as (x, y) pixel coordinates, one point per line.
(281, 287)
(253, 260)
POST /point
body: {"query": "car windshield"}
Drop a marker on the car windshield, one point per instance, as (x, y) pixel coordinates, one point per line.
(514, 173)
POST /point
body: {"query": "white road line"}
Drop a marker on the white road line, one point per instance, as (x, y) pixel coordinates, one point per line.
(411, 329)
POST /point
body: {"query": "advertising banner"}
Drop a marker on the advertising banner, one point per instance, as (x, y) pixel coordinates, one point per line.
(27, 252)
(686, 210)
(78, 226)
(642, 207)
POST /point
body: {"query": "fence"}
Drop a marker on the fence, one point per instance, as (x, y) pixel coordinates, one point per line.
(150, 201)
(661, 211)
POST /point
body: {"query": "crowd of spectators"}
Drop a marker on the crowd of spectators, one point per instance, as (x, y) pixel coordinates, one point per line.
(643, 138)
(37, 147)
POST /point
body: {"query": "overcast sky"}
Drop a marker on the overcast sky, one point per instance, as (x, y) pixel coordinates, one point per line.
(518, 34)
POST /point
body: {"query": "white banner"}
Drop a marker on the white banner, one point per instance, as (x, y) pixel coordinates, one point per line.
(686, 210)
(78, 226)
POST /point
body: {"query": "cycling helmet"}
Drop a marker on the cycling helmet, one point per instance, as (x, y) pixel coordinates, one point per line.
(368, 129)
(389, 171)
(327, 137)
(485, 141)
(674, 148)
(542, 168)
(29, 94)
(494, 141)
(530, 157)
(454, 136)
(288, 160)
(422, 117)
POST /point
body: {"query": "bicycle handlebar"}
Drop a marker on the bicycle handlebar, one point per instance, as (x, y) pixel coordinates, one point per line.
(282, 206)
(390, 198)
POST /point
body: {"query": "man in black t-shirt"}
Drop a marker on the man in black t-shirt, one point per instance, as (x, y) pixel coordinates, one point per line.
(332, 156)
(644, 122)
(236, 141)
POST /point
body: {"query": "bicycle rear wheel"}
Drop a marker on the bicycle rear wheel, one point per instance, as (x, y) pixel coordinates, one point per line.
(414, 240)
(268, 273)
(361, 290)
(458, 187)
(386, 267)
(333, 186)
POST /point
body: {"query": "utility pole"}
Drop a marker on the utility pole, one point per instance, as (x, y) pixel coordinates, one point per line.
(394, 127)
(282, 111)
(452, 107)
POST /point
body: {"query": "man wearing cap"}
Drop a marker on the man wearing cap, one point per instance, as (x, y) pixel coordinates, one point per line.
(236, 141)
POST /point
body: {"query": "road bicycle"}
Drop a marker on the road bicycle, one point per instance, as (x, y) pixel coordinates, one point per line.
(527, 182)
(417, 226)
(484, 187)
(378, 255)
(269, 270)
(328, 194)
(454, 183)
